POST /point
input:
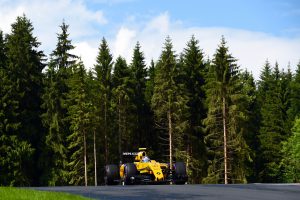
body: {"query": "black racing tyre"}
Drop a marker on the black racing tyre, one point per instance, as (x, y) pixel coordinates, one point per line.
(179, 173)
(130, 171)
(112, 174)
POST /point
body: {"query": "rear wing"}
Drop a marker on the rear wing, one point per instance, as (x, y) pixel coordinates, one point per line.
(128, 157)
(130, 153)
(133, 156)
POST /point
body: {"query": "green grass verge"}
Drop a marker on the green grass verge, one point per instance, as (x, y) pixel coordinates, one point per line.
(10, 193)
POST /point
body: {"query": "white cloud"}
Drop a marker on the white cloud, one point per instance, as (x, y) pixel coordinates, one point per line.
(8, 16)
(124, 42)
(159, 23)
(48, 15)
(86, 52)
(251, 49)
(111, 2)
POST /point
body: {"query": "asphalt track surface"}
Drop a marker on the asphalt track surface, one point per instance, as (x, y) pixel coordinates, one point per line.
(201, 192)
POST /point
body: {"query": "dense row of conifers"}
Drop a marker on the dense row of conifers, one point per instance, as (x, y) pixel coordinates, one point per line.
(60, 123)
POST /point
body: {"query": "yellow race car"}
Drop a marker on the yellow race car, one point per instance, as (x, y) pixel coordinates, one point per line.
(145, 171)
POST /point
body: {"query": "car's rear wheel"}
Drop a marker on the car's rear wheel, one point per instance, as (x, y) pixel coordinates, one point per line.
(179, 173)
(129, 173)
(112, 175)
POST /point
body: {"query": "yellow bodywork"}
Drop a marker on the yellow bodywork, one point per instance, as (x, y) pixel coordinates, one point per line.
(151, 167)
(122, 169)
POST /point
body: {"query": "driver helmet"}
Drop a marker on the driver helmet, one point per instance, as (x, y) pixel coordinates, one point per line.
(146, 159)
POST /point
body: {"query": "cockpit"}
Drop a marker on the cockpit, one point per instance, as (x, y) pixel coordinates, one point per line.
(146, 159)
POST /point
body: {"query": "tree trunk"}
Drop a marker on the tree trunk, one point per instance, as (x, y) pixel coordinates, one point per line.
(188, 155)
(125, 130)
(95, 157)
(120, 130)
(105, 130)
(170, 138)
(85, 167)
(225, 141)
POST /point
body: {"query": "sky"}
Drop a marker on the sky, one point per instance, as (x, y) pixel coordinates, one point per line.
(255, 31)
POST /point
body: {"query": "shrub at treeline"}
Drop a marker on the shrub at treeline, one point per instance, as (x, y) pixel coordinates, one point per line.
(60, 124)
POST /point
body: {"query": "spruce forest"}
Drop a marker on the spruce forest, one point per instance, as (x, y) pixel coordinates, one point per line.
(61, 123)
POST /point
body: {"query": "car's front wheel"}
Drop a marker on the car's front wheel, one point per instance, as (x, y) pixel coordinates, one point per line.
(129, 173)
(179, 173)
(112, 175)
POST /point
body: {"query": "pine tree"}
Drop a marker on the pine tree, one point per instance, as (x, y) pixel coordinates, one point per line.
(122, 93)
(169, 103)
(15, 153)
(193, 79)
(22, 87)
(152, 135)
(103, 70)
(285, 99)
(265, 82)
(291, 155)
(55, 106)
(228, 150)
(141, 112)
(150, 82)
(264, 85)
(273, 121)
(61, 56)
(294, 110)
(92, 92)
(250, 126)
(79, 116)
(3, 60)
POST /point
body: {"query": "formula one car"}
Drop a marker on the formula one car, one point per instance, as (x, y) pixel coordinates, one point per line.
(145, 171)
